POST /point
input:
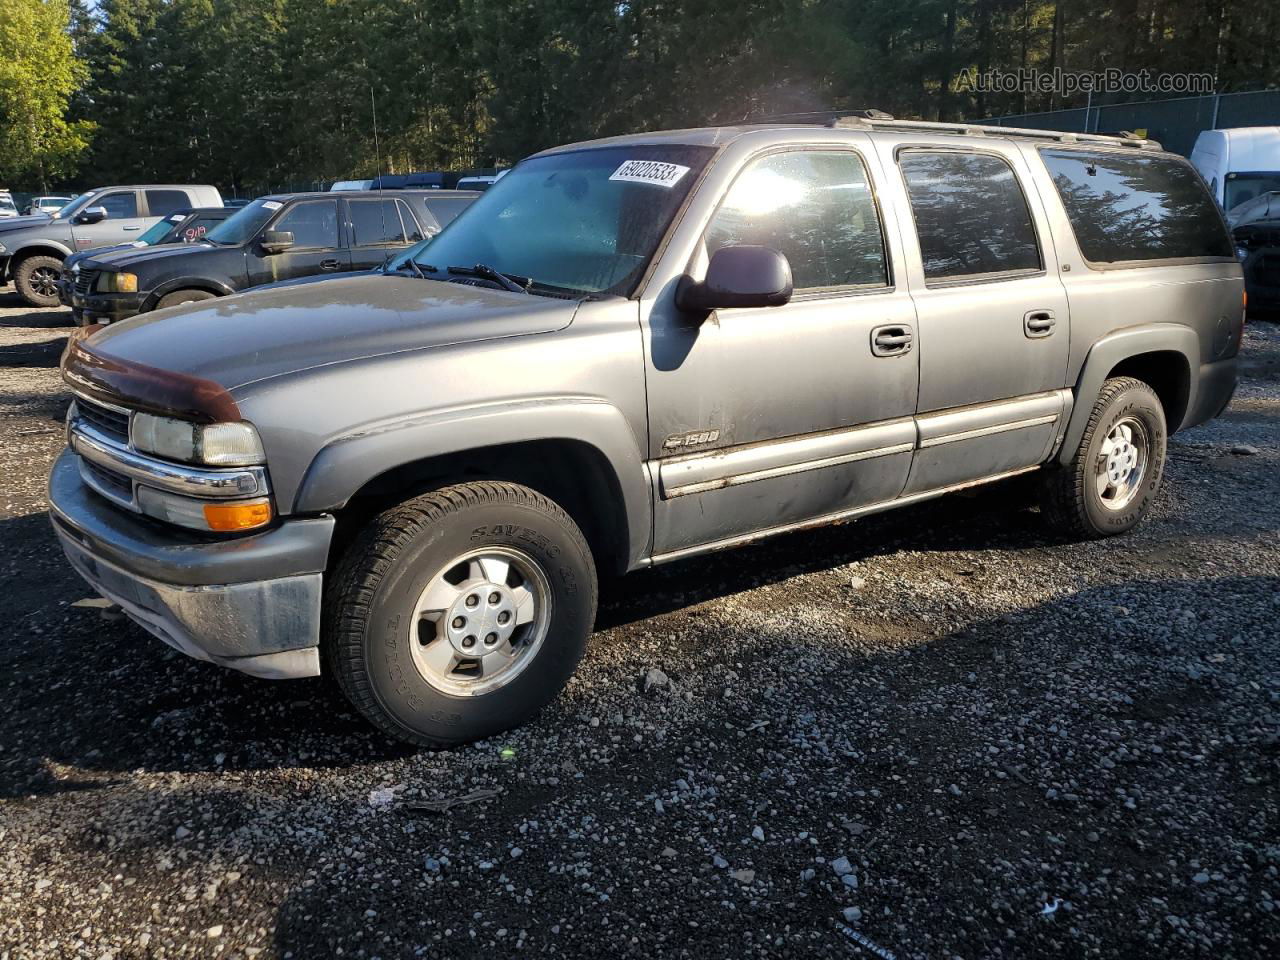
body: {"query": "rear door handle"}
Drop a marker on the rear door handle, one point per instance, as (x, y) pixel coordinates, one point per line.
(1039, 323)
(891, 340)
(130, 229)
(329, 264)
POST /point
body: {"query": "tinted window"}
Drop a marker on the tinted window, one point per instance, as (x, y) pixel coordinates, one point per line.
(313, 224)
(161, 203)
(199, 227)
(816, 208)
(375, 222)
(444, 209)
(410, 222)
(971, 216)
(1130, 207)
(119, 206)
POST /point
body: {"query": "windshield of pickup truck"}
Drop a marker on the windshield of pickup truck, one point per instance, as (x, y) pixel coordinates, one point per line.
(72, 208)
(586, 221)
(243, 226)
(1243, 187)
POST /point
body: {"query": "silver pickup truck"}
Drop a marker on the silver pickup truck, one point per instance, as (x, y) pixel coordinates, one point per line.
(625, 353)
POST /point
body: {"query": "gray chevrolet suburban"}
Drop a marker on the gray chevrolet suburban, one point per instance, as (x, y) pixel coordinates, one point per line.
(32, 248)
(625, 353)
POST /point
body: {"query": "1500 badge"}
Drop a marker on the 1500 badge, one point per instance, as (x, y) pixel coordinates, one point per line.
(682, 441)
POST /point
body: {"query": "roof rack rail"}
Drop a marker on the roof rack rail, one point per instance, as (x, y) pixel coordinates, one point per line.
(865, 120)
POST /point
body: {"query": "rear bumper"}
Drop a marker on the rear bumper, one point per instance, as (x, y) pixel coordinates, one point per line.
(250, 603)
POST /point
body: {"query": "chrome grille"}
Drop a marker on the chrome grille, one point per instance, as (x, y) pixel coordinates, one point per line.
(114, 423)
(108, 482)
(85, 280)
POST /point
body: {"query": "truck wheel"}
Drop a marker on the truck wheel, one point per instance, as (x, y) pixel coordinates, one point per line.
(460, 613)
(183, 296)
(36, 279)
(1112, 480)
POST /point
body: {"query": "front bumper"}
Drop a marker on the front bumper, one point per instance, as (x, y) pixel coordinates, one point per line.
(250, 603)
(106, 307)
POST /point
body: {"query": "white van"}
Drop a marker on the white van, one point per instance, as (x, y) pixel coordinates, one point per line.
(1239, 163)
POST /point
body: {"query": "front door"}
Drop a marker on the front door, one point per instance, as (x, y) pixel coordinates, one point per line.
(124, 221)
(768, 417)
(317, 244)
(992, 313)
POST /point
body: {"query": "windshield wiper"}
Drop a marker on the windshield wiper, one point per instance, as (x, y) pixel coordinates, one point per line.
(412, 264)
(486, 272)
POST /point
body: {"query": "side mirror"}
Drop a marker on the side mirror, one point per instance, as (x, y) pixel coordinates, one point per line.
(92, 215)
(745, 276)
(276, 241)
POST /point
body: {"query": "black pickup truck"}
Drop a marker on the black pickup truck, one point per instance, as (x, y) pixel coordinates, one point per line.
(274, 238)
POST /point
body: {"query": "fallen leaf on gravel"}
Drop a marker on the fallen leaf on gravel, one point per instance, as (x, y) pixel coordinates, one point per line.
(445, 804)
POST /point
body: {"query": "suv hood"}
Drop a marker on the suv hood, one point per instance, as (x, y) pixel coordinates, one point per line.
(238, 340)
(122, 257)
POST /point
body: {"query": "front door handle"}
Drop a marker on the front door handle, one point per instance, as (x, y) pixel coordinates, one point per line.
(891, 340)
(130, 229)
(1039, 323)
(329, 264)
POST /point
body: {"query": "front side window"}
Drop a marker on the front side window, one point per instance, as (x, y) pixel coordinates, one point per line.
(243, 226)
(161, 203)
(119, 206)
(585, 221)
(1128, 208)
(971, 216)
(446, 209)
(813, 206)
(1243, 187)
(313, 224)
(375, 222)
(413, 232)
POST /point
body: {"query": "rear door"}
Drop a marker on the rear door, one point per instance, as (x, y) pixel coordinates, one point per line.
(126, 221)
(991, 309)
(377, 230)
(318, 245)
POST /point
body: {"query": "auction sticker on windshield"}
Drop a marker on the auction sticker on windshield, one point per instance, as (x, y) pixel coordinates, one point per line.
(650, 171)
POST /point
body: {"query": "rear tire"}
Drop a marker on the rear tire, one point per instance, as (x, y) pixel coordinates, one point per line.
(460, 613)
(36, 280)
(183, 296)
(1115, 474)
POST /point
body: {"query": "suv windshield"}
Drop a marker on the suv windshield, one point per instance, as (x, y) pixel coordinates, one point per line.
(587, 221)
(1243, 187)
(6, 203)
(243, 226)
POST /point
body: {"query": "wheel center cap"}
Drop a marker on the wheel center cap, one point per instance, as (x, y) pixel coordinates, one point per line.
(482, 619)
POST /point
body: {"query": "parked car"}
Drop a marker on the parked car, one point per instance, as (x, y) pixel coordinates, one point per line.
(1255, 227)
(235, 204)
(48, 204)
(181, 226)
(630, 352)
(1238, 163)
(32, 248)
(352, 185)
(274, 238)
(7, 207)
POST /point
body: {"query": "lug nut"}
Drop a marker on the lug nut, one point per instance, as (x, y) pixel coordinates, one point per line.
(468, 642)
(494, 598)
(504, 618)
(490, 639)
(459, 622)
(472, 600)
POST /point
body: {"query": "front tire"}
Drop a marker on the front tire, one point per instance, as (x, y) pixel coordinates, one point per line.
(1115, 474)
(36, 280)
(460, 613)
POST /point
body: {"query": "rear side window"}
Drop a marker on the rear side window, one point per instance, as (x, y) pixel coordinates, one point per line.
(375, 222)
(1128, 207)
(971, 216)
(120, 206)
(313, 224)
(161, 203)
(813, 206)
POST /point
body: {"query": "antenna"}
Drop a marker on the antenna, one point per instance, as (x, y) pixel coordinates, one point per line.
(377, 151)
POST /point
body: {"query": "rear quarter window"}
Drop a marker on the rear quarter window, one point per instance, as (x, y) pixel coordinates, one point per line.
(1133, 209)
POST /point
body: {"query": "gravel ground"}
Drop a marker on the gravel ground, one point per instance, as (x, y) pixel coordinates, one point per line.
(937, 733)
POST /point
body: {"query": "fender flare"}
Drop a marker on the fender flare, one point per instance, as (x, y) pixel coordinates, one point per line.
(36, 247)
(207, 284)
(347, 463)
(1111, 350)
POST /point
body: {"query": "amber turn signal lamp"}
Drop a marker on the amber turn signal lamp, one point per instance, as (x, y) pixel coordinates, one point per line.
(229, 517)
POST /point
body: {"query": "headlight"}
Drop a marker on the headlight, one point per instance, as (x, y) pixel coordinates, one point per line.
(212, 444)
(118, 282)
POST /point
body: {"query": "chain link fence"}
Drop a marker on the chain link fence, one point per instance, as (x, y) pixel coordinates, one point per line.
(1175, 123)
